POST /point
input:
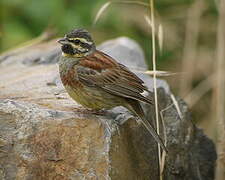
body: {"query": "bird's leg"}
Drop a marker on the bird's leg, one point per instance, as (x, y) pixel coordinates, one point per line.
(101, 112)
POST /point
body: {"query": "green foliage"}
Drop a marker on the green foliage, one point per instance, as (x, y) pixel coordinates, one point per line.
(23, 20)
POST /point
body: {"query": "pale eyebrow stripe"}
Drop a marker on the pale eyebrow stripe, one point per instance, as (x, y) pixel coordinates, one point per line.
(83, 40)
(80, 48)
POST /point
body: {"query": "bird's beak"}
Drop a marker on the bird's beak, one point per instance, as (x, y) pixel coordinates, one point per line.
(62, 41)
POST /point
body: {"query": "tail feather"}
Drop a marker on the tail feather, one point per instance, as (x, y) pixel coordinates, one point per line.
(137, 109)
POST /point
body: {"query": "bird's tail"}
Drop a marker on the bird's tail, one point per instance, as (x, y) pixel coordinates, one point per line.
(137, 109)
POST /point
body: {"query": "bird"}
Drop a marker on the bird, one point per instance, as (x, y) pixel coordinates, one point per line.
(97, 81)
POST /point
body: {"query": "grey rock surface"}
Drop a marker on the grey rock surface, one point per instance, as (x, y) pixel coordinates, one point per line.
(44, 134)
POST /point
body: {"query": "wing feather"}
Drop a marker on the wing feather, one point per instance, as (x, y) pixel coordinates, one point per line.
(113, 77)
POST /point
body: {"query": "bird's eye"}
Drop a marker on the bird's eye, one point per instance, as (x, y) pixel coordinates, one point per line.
(76, 41)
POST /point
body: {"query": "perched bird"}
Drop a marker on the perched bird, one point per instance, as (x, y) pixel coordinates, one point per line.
(96, 81)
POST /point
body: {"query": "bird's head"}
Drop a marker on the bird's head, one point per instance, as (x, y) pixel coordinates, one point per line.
(77, 43)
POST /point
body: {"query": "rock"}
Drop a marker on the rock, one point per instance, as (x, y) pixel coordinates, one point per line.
(44, 134)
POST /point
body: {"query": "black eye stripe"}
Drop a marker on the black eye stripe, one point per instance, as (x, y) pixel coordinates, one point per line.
(82, 44)
(68, 49)
(76, 41)
(85, 45)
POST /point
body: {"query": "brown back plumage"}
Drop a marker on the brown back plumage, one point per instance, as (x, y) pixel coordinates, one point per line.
(103, 72)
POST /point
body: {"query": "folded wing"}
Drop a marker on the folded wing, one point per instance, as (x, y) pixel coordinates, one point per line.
(111, 76)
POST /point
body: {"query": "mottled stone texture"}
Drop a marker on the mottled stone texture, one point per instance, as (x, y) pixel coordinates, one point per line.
(45, 135)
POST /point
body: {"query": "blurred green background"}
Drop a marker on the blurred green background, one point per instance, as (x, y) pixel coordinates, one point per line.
(189, 38)
(23, 20)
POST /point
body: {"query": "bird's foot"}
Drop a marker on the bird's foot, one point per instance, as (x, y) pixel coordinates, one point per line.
(91, 111)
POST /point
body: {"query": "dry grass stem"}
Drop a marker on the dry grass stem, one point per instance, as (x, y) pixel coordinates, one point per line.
(200, 90)
(176, 106)
(132, 2)
(163, 160)
(106, 5)
(100, 11)
(162, 164)
(220, 92)
(152, 24)
(160, 37)
(190, 45)
(160, 73)
(148, 20)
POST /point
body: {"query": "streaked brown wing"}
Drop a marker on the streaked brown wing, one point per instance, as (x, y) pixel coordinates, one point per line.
(101, 71)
